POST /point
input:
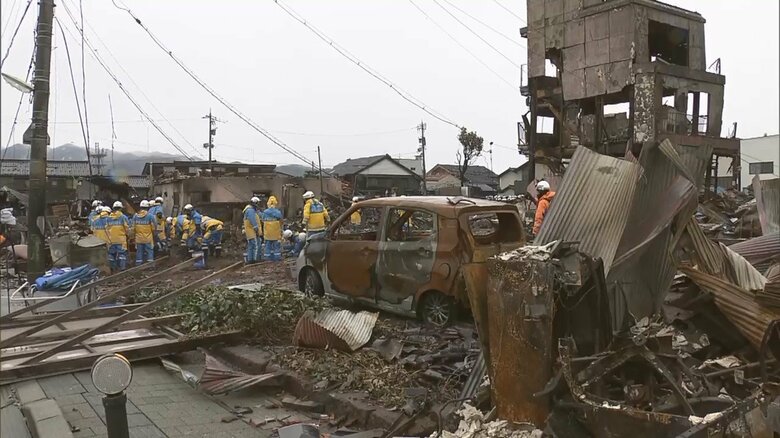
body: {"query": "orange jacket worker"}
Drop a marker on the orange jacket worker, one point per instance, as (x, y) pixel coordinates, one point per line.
(545, 197)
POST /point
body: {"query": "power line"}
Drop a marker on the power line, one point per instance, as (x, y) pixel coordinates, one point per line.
(13, 37)
(455, 40)
(496, 31)
(361, 134)
(476, 34)
(265, 133)
(76, 95)
(11, 13)
(355, 60)
(510, 11)
(135, 84)
(100, 61)
(84, 84)
(18, 108)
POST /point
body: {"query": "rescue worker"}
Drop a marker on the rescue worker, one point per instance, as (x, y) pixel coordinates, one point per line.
(355, 218)
(300, 241)
(144, 228)
(272, 230)
(180, 225)
(156, 212)
(315, 215)
(212, 235)
(99, 225)
(194, 239)
(252, 231)
(288, 242)
(170, 230)
(118, 229)
(97, 206)
(545, 197)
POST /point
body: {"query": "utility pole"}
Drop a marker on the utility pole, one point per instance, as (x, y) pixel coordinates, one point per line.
(319, 161)
(421, 150)
(36, 211)
(212, 133)
(491, 156)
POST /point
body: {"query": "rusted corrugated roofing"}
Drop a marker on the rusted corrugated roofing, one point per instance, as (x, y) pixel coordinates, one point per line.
(759, 251)
(217, 378)
(593, 204)
(739, 305)
(339, 329)
(768, 203)
(747, 276)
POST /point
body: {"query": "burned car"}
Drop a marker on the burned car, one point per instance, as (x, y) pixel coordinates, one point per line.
(405, 254)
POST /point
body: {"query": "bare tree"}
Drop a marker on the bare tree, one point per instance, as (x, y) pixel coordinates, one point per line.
(471, 148)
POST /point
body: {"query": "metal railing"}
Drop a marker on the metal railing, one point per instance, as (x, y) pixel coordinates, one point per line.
(679, 122)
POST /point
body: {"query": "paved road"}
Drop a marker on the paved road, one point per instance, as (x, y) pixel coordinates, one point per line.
(159, 405)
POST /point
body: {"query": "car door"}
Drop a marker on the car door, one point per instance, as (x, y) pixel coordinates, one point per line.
(352, 252)
(407, 253)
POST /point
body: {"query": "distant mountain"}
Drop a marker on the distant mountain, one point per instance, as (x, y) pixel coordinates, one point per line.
(293, 169)
(130, 163)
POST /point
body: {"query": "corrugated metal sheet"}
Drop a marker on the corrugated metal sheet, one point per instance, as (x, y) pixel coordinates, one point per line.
(770, 296)
(217, 378)
(664, 200)
(340, 329)
(593, 204)
(53, 168)
(475, 378)
(768, 203)
(746, 275)
(739, 305)
(759, 251)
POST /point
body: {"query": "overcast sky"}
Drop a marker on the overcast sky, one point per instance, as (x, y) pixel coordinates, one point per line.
(288, 81)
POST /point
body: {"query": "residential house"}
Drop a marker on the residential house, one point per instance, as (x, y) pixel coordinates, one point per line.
(514, 180)
(758, 156)
(63, 178)
(379, 175)
(223, 189)
(444, 179)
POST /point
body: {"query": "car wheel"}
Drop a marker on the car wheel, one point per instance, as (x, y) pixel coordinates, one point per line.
(311, 283)
(437, 309)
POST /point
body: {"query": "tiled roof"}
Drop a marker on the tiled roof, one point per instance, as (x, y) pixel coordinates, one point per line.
(53, 168)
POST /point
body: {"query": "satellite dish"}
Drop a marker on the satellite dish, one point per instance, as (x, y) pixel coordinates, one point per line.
(17, 83)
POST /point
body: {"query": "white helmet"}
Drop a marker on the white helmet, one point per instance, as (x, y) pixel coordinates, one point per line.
(287, 234)
(188, 207)
(96, 203)
(118, 204)
(543, 186)
(144, 204)
(169, 220)
(158, 200)
(308, 195)
(105, 208)
(355, 199)
(301, 236)
(255, 200)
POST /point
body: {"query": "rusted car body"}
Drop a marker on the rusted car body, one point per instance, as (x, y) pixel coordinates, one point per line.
(404, 254)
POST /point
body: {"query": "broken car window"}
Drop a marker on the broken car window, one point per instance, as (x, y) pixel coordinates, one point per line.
(489, 228)
(409, 225)
(362, 224)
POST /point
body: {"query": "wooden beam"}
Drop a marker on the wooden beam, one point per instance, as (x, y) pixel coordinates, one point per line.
(127, 316)
(80, 289)
(36, 319)
(105, 299)
(127, 325)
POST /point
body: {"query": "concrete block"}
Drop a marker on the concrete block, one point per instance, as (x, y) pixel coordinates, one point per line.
(596, 52)
(597, 27)
(45, 420)
(29, 391)
(574, 33)
(574, 57)
(595, 81)
(621, 21)
(620, 47)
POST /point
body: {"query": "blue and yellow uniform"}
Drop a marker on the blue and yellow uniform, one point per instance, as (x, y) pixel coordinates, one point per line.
(160, 238)
(315, 216)
(144, 227)
(253, 232)
(117, 227)
(195, 240)
(272, 230)
(99, 227)
(212, 233)
(180, 225)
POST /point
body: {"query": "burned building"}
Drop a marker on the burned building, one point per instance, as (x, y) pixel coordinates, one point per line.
(618, 75)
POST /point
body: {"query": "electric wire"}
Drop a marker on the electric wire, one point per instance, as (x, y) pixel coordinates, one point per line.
(149, 101)
(365, 67)
(496, 31)
(265, 133)
(16, 31)
(132, 100)
(510, 11)
(455, 17)
(18, 108)
(455, 40)
(84, 85)
(11, 14)
(76, 95)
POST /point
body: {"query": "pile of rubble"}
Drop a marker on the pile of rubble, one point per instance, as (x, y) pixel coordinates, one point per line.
(627, 317)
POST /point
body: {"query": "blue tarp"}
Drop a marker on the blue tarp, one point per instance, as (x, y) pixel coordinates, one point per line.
(63, 278)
